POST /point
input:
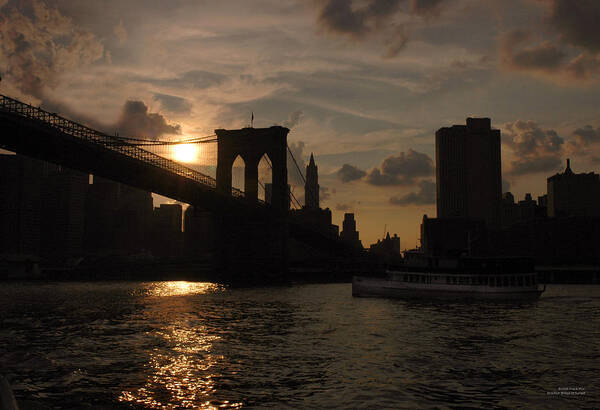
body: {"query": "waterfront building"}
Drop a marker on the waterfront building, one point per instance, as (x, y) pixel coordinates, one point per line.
(387, 247)
(20, 204)
(571, 194)
(468, 171)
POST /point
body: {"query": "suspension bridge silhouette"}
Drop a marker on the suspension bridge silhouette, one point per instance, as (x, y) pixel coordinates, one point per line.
(252, 234)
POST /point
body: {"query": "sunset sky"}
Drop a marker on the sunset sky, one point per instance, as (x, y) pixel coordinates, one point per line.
(362, 84)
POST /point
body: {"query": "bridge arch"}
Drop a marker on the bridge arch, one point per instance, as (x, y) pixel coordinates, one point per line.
(265, 179)
(238, 171)
(252, 144)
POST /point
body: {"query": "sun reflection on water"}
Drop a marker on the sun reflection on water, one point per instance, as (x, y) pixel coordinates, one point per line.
(181, 370)
(181, 288)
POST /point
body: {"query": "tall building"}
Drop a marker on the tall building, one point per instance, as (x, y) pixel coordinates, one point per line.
(311, 186)
(167, 237)
(571, 194)
(118, 217)
(468, 171)
(349, 233)
(63, 214)
(199, 231)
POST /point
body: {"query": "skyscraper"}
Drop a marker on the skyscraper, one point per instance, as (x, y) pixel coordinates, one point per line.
(468, 171)
(311, 186)
(349, 233)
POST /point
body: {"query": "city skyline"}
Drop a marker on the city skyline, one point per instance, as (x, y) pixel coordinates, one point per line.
(365, 89)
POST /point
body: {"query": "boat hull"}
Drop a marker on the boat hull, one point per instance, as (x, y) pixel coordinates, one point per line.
(380, 287)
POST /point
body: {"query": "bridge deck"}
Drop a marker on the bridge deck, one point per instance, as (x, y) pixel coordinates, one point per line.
(35, 132)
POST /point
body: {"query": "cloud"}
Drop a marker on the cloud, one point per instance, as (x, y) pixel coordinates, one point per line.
(173, 103)
(402, 169)
(426, 7)
(324, 194)
(359, 20)
(348, 173)
(587, 135)
(572, 51)
(194, 79)
(343, 207)
(544, 57)
(534, 149)
(585, 142)
(297, 149)
(505, 185)
(293, 119)
(342, 16)
(424, 196)
(577, 22)
(135, 120)
(39, 45)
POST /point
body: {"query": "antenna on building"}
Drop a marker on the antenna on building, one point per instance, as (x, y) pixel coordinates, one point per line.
(252, 120)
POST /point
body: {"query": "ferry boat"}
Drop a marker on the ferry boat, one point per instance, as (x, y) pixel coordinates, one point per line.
(463, 278)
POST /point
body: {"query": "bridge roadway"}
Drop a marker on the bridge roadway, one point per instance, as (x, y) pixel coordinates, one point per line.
(33, 132)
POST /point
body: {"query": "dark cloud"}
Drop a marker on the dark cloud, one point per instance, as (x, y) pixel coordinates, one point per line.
(402, 169)
(348, 173)
(547, 163)
(587, 135)
(505, 185)
(135, 120)
(343, 207)
(342, 16)
(360, 19)
(517, 55)
(173, 103)
(534, 149)
(577, 22)
(573, 53)
(424, 196)
(39, 44)
(546, 57)
(293, 119)
(426, 7)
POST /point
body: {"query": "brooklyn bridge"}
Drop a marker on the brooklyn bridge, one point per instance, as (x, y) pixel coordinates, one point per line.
(252, 234)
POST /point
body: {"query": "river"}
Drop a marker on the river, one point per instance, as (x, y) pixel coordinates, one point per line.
(199, 345)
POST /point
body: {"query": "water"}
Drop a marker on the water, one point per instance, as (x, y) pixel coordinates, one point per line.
(181, 344)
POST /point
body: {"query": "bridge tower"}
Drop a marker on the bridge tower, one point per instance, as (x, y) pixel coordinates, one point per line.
(251, 144)
(253, 247)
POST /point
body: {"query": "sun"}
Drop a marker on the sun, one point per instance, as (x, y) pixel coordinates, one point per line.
(185, 152)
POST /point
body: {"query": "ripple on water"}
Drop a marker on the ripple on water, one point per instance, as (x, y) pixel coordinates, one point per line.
(199, 345)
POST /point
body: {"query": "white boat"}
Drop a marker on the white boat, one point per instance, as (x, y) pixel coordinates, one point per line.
(469, 278)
